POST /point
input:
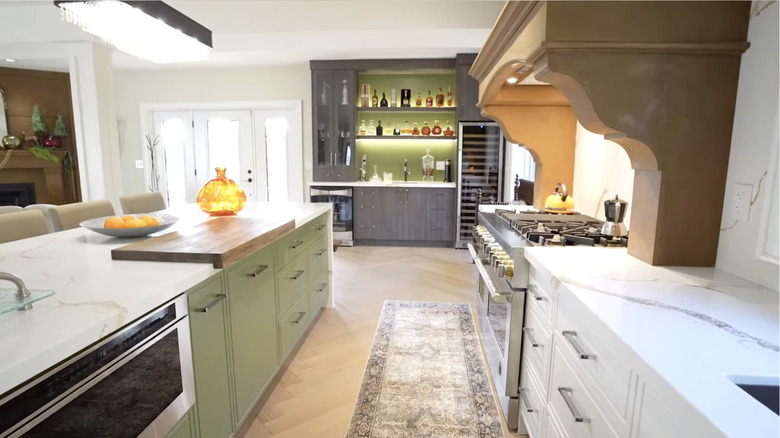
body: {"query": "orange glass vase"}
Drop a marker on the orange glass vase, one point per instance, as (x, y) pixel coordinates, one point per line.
(221, 196)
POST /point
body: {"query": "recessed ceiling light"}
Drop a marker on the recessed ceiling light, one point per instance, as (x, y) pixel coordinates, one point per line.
(511, 80)
(9, 60)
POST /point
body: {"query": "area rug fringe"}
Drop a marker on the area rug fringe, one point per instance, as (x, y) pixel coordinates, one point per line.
(425, 376)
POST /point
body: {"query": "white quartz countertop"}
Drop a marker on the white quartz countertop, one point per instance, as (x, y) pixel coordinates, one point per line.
(694, 327)
(95, 295)
(420, 184)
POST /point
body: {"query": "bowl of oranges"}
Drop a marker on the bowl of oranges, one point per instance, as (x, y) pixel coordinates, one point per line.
(130, 225)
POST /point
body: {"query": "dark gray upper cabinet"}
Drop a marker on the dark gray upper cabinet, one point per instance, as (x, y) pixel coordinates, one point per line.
(333, 119)
(467, 90)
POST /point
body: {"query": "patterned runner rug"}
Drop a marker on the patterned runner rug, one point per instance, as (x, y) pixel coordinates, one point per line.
(425, 376)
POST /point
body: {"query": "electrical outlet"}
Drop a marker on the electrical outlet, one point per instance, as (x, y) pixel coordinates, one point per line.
(440, 165)
(139, 164)
(740, 208)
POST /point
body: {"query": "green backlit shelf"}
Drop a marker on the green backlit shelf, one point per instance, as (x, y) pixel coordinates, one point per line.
(412, 109)
(406, 137)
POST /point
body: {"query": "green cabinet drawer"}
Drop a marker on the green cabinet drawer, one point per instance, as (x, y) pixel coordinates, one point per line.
(293, 324)
(208, 314)
(183, 429)
(291, 281)
(292, 245)
(253, 328)
(318, 224)
(318, 293)
(318, 255)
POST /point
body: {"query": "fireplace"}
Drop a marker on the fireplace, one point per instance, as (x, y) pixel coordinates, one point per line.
(21, 194)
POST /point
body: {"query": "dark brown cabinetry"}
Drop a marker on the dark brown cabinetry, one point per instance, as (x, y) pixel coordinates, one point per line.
(333, 118)
(467, 90)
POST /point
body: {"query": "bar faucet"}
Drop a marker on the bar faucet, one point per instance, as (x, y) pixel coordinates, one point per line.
(21, 290)
(406, 171)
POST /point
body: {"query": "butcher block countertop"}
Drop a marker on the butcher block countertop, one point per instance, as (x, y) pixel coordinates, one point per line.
(96, 295)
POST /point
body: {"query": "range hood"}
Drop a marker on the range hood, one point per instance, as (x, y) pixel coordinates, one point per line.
(658, 78)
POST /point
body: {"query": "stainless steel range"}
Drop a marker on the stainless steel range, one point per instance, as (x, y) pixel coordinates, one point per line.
(500, 239)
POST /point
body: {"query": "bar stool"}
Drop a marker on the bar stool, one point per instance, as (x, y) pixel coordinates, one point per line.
(142, 203)
(46, 210)
(21, 225)
(69, 216)
(10, 209)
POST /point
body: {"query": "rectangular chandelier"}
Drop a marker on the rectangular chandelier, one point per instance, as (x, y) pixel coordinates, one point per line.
(150, 30)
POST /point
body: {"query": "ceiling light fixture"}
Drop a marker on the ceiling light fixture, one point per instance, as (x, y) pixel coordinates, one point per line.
(9, 60)
(511, 80)
(150, 29)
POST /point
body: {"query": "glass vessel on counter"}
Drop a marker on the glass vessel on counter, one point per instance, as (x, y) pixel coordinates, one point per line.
(428, 163)
(221, 196)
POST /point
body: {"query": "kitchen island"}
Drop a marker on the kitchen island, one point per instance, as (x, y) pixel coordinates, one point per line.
(95, 295)
(652, 351)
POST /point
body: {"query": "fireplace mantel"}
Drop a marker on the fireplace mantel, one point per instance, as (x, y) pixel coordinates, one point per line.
(24, 167)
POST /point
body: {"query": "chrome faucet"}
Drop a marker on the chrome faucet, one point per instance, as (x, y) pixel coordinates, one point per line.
(21, 290)
(406, 171)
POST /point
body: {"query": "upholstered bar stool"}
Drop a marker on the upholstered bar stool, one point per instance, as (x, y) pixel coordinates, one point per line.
(46, 210)
(10, 209)
(142, 203)
(70, 215)
(21, 225)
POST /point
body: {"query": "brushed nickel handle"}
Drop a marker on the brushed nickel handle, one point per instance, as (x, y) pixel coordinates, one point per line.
(259, 271)
(299, 318)
(532, 290)
(320, 227)
(322, 287)
(575, 412)
(297, 275)
(440, 194)
(522, 391)
(571, 336)
(208, 306)
(296, 244)
(529, 332)
(323, 251)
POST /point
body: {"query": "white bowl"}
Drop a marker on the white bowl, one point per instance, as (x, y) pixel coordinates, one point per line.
(96, 225)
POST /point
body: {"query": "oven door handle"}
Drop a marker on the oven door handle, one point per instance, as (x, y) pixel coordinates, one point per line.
(497, 295)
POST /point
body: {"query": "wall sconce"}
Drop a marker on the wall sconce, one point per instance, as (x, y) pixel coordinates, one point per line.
(149, 30)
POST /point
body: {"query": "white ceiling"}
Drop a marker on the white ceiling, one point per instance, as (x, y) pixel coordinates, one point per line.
(272, 32)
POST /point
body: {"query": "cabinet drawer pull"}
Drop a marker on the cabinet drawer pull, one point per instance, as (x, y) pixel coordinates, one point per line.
(438, 208)
(298, 319)
(323, 286)
(216, 301)
(575, 412)
(259, 271)
(523, 395)
(529, 332)
(571, 336)
(322, 251)
(532, 290)
(296, 244)
(297, 275)
(440, 194)
(321, 227)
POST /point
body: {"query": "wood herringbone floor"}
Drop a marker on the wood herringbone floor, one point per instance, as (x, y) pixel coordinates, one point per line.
(315, 394)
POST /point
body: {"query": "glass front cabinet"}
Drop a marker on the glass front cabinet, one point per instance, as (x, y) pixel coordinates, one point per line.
(334, 125)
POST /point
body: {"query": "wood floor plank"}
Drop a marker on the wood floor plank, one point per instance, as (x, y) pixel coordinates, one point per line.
(316, 392)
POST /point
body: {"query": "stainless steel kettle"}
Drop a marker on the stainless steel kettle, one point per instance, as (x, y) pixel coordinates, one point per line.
(614, 211)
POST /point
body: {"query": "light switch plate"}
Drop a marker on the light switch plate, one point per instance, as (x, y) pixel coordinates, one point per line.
(139, 164)
(440, 165)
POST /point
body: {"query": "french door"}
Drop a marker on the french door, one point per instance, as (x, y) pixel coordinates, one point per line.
(257, 147)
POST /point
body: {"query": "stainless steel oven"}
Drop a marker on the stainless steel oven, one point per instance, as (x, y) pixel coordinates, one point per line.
(137, 382)
(341, 200)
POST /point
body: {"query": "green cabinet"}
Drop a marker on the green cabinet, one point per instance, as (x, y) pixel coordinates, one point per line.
(253, 328)
(209, 338)
(184, 428)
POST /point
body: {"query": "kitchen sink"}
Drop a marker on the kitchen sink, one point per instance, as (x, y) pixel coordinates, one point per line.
(766, 390)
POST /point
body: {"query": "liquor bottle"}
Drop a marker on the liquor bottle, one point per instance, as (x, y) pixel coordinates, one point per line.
(392, 97)
(397, 130)
(371, 128)
(418, 101)
(429, 99)
(436, 128)
(415, 130)
(406, 97)
(383, 102)
(344, 93)
(406, 130)
(448, 130)
(374, 99)
(440, 98)
(426, 130)
(364, 90)
(449, 96)
(362, 129)
(379, 128)
(428, 165)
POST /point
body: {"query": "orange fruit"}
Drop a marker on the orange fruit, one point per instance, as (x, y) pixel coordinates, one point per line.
(135, 223)
(151, 221)
(128, 217)
(114, 222)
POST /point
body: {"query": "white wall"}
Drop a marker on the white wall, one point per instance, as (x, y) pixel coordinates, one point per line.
(218, 85)
(602, 170)
(754, 144)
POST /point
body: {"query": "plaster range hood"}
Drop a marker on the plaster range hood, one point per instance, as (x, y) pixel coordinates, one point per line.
(658, 78)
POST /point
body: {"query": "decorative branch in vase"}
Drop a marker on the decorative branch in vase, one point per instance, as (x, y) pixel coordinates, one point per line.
(151, 145)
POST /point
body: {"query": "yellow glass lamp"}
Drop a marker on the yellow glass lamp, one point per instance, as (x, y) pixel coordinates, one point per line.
(221, 196)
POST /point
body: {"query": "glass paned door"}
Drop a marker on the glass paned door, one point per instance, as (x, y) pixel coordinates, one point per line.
(177, 161)
(275, 136)
(220, 139)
